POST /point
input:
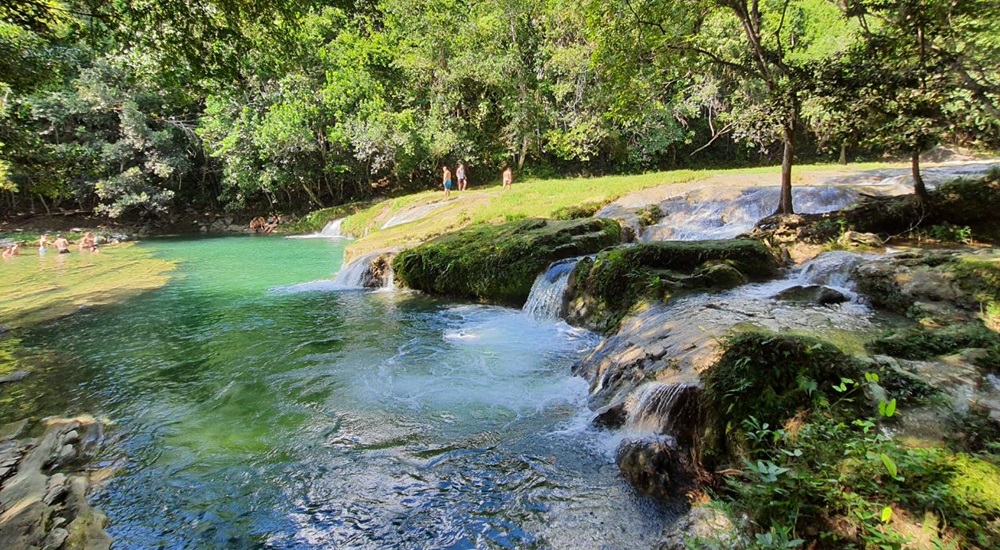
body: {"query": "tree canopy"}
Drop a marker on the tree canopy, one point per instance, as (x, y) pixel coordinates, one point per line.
(142, 109)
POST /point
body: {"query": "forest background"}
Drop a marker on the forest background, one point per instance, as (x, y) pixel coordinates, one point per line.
(145, 109)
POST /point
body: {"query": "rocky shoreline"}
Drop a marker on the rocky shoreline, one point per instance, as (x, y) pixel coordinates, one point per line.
(44, 483)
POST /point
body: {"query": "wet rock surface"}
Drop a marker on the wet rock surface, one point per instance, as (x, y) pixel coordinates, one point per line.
(43, 487)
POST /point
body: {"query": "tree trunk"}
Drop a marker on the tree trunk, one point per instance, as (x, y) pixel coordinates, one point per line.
(918, 181)
(788, 138)
(524, 152)
(843, 153)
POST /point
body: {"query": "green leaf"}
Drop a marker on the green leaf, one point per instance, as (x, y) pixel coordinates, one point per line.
(890, 465)
(886, 513)
(887, 409)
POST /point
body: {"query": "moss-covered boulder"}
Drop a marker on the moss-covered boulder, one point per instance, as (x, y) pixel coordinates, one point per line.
(605, 288)
(958, 204)
(771, 378)
(499, 263)
(945, 285)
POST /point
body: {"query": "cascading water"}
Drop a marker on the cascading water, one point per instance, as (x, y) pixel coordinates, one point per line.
(332, 229)
(412, 214)
(370, 271)
(547, 297)
(661, 408)
(695, 216)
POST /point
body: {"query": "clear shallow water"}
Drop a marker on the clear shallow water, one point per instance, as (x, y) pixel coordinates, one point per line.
(253, 406)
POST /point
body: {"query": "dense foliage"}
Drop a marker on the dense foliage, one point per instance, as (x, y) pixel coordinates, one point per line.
(145, 108)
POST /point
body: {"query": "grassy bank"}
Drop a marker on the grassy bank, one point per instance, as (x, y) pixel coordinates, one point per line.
(537, 198)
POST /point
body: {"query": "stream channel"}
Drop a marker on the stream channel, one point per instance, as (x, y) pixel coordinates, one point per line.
(253, 405)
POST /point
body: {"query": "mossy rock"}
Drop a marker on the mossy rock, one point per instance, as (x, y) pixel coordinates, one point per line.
(769, 377)
(604, 289)
(920, 343)
(977, 483)
(958, 203)
(499, 263)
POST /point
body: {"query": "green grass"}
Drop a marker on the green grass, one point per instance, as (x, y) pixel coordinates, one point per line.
(532, 198)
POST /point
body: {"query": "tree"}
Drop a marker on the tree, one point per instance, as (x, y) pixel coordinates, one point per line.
(762, 53)
(925, 70)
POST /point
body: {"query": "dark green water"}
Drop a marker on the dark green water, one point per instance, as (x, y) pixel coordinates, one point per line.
(254, 406)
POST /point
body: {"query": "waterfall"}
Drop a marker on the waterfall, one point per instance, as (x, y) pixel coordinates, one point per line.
(332, 229)
(412, 214)
(700, 216)
(547, 297)
(660, 408)
(369, 271)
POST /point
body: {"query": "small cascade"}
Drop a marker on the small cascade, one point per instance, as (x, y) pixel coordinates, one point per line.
(699, 216)
(412, 214)
(658, 408)
(332, 229)
(547, 297)
(370, 271)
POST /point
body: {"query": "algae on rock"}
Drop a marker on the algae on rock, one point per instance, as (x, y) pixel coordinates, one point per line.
(604, 289)
(499, 263)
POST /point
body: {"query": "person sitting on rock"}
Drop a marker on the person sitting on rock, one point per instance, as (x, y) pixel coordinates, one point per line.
(257, 224)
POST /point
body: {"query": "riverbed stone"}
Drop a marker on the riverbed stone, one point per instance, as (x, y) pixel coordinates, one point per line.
(817, 294)
(653, 466)
(43, 505)
(14, 377)
(702, 525)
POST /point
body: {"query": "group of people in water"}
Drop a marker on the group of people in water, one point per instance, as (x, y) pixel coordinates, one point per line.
(463, 181)
(261, 225)
(87, 243)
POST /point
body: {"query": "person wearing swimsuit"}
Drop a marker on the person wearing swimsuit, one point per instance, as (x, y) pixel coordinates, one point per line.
(460, 175)
(447, 182)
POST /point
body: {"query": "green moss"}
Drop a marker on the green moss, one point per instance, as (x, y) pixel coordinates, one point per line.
(499, 263)
(649, 215)
(317, 219)
(976, 483)
(606, 288)
(926, 343)
(577, 211)
(978, 278)
(772, 377)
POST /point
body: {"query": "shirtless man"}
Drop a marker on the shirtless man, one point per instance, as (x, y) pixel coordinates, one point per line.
(11, 251)
(446, 181)
(508, 177)
(61, 244)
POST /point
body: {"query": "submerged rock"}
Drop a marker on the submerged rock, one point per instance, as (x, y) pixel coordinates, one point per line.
(704, 524)
(816, 294)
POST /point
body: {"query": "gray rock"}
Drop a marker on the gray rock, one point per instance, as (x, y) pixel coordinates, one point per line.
(14, 376)
(71, 437)
(56, 489)
(702, 523)
(653, 467)
(816, 294)
(13, 430)
(853, 238)
(57, 537)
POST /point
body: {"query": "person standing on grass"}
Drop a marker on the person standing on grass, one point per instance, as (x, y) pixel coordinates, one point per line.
(446, 180)
(460, 175)
(508, 177)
